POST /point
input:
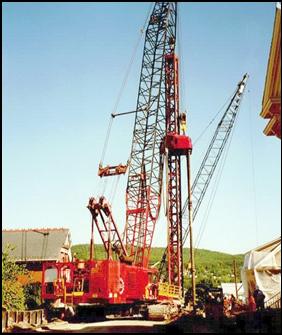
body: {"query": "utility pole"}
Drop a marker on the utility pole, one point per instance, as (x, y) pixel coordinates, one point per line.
(235, 277)
(92, 240)
(190, 230)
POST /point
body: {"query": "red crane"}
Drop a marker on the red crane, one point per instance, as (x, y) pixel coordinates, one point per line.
(125, 276)
(124, 279)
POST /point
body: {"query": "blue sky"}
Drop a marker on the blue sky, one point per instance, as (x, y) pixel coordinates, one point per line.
(63, 66)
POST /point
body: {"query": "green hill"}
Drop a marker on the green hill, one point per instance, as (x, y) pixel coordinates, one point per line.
(212, 267)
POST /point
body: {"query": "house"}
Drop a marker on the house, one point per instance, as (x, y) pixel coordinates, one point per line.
(262, 269)
(271, 103)
(33, 247)
(230, 288)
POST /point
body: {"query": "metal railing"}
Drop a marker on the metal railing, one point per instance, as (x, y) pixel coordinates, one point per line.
(167, 290)
(10, 318)
(274, 301)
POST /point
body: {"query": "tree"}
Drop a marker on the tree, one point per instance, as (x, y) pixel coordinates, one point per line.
(13, 297)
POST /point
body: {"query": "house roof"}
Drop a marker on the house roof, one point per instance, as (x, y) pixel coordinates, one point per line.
(271, 104)
(36, 244)
(269, 246)
(266, 256)
(230, 288)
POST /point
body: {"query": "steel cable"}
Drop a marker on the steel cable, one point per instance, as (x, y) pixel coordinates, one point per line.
(225, 153)
(124, 82)
(213, 119)
(253, 166)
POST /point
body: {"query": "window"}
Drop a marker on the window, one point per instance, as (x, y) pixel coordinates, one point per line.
(50, 275)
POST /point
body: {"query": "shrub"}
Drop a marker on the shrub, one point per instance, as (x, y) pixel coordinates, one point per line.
(13, 297)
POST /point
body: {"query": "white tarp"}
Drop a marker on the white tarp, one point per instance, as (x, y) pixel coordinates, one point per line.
(262, 269)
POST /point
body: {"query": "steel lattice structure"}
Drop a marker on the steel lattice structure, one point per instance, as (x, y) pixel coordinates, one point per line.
(103, 218)
(210, 161)
(145, 172)
(214, 152)
(173, 174)
(175, 145)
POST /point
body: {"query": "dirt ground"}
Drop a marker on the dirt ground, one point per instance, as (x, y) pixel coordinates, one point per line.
(113, 326)
(258, 322)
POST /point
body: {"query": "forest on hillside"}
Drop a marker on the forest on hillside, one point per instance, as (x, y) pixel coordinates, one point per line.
(212, 267)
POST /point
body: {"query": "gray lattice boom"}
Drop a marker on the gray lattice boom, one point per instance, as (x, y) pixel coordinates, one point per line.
(213, 154)
(210, 161)
(145, 172)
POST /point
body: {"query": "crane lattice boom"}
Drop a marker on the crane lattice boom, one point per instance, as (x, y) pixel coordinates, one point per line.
(214, 152)
(145, 171)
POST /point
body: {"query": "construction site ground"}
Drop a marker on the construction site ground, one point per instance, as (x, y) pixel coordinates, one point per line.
(268, 321)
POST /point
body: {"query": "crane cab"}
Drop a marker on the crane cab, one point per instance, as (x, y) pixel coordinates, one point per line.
(177, 144)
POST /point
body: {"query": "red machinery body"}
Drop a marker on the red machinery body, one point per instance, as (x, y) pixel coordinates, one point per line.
(178, 144)
(103, 281)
